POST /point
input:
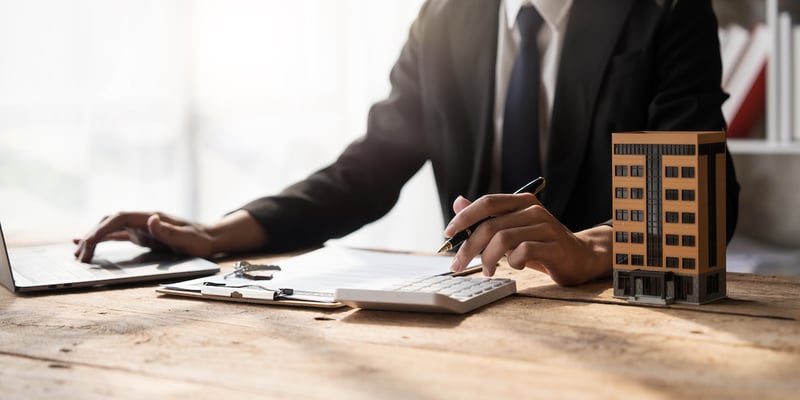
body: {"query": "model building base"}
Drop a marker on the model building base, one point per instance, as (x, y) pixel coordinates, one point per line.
(655, 287)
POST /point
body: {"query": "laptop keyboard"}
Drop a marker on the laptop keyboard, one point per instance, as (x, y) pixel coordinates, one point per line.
(49, 265)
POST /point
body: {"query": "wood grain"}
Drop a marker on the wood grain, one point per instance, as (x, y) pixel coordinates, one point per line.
(545, 342)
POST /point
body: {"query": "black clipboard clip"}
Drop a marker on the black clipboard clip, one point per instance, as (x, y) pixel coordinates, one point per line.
(241, 291)
(251, 291)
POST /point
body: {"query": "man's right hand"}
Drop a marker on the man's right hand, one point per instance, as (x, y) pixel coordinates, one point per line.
(237, 231)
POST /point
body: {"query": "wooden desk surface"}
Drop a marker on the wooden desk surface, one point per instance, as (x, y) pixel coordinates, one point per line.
(544, 342)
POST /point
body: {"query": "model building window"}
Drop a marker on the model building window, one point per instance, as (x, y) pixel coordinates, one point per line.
(622, 193)
(688, 240)
(671, 217)
(687, 195)
(637, 193)
(621, 170)
(637, 215)
(687, 172)
(671, 172)
(622, 259)
(672, 262)
(637, 259)
(637, 237)
(687, 218)
(688, 263)
(672, 240)
(622, 237)
(637, 170)
(671, 194)
(622, 215)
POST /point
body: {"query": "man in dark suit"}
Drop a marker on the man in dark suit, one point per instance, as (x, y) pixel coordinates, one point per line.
(612, 65)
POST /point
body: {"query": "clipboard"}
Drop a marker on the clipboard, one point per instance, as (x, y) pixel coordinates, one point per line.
(311, 279)
(239, 297)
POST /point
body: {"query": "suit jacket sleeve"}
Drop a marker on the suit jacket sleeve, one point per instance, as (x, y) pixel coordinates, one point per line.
(365, 181)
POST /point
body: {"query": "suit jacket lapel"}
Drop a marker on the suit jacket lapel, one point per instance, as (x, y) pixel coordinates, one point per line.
(585, 54)
(473, 51)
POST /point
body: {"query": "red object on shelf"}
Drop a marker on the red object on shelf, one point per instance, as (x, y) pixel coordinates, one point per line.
(752, 108)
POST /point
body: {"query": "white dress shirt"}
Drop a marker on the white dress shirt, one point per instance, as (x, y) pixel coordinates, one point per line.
(555, 15)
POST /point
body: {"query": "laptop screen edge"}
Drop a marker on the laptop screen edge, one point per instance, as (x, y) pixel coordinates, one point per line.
(6, 274)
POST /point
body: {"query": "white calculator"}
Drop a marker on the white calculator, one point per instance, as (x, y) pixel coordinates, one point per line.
(443, 293)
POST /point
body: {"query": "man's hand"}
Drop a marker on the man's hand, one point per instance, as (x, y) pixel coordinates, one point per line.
(529, 236)
(237, 231)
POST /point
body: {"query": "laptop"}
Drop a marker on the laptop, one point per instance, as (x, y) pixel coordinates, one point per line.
(54, 267)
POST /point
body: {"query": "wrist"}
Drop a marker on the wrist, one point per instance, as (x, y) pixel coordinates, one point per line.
(598, 243)
(236, 232)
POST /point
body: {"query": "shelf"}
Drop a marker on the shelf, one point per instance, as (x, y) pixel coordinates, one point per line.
(749, 255)
(760, 146)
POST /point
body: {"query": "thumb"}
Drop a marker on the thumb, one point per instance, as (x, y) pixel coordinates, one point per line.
(162, 231)
(182, 239)
(460, 203)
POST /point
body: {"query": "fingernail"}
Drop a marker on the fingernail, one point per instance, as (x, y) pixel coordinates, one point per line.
(454, 266)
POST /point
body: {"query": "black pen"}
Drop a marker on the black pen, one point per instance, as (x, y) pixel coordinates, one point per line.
(534, 187)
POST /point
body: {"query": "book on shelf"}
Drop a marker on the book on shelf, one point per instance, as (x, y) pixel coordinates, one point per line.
(745, 81)
(796, 82)
(733, 41)
(785, 60)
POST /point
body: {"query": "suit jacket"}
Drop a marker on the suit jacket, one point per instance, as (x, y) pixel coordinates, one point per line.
(625, 65)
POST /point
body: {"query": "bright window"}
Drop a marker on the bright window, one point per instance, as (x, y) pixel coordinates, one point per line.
(190, 107)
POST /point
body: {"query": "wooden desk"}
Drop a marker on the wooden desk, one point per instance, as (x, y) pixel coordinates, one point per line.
(545, 342)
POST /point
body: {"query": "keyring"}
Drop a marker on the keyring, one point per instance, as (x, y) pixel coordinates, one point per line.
(258, 272)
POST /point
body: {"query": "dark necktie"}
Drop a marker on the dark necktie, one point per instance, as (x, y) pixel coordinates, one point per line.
(520, 155)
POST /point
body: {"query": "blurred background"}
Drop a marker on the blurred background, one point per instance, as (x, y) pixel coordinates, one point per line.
(196, 107)
(189, 107)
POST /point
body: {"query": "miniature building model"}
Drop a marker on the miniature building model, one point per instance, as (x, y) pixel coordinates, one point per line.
(669, 216)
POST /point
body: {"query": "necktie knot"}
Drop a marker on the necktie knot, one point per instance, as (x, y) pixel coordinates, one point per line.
(529, 21)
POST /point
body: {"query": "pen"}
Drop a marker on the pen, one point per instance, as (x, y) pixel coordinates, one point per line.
(533, 187)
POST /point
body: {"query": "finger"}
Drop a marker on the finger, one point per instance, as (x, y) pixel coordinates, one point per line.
(478, 241)
(458, 204)
(487, 206)
(115, 236)
(497, 236)
(115, 223)
(504, 242)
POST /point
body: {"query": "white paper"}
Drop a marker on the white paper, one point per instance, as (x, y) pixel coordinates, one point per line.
(316, 275)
